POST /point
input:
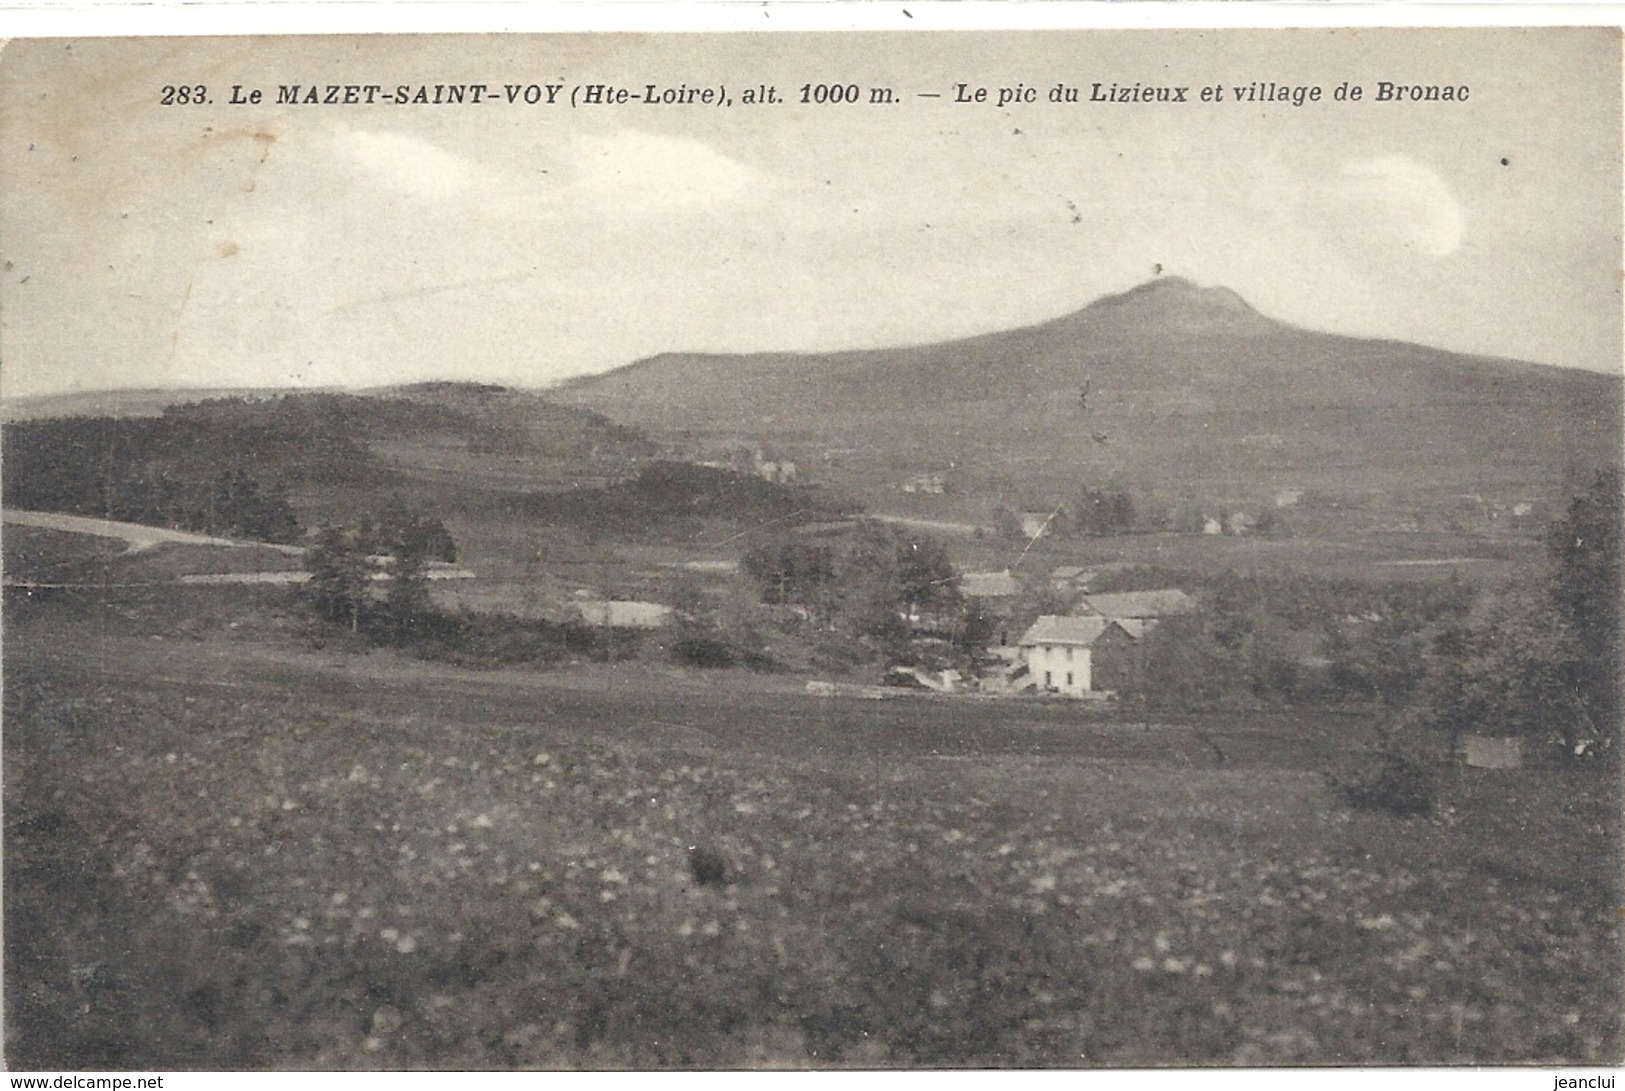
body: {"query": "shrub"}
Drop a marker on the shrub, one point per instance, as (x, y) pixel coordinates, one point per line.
(481, 640)
(702, 651)
(1394, 783)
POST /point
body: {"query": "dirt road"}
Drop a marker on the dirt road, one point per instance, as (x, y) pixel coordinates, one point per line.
(136, 535)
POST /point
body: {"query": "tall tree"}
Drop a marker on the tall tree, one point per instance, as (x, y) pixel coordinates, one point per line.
(341, 568)
(1584, 548)
(408, 594)
(1542, 662)
(1104, 511)
(875, 582)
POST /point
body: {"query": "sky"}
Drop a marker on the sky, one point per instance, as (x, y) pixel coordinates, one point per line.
(307, 245)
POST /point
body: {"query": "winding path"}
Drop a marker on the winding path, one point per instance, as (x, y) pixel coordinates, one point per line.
(136, 536)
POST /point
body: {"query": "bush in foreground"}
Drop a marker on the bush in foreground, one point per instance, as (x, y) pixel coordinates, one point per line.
(1399, 784)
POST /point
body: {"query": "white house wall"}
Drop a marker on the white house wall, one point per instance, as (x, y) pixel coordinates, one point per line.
(1059, 668)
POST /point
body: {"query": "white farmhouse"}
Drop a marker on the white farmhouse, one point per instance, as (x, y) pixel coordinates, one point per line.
(1077, 656)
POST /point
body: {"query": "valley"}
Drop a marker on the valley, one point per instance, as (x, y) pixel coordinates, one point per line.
(643, 787)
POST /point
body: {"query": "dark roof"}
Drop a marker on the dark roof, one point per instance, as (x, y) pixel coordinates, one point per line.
(1140, 604)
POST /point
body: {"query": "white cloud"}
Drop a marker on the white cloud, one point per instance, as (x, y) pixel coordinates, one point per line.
(596, 179)
(634, 171)
(408, 164)
(1395, 201)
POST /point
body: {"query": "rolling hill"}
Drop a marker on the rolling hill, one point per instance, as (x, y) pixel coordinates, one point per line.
(1190, 391)
(469, 452)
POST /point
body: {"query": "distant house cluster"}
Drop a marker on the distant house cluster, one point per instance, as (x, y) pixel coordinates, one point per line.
(778, 471)
(1071, 578)
(932, 484)
(1137, 611)
(1092, 649)
(749, 459)
(989, 586)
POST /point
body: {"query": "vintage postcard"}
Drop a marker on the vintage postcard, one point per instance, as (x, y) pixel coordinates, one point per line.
(1064, 548)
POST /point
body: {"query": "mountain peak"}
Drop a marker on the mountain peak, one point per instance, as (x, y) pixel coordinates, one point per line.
(1178, 388)
(1177, 304)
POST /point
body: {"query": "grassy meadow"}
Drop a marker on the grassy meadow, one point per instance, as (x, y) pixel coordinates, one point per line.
(225, 853)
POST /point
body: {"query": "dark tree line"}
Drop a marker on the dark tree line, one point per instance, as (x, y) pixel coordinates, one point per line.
(371, 578)
(882, 585)
(665, 493)
(153, 471)
(1286, 640)
(1103, 511)
(1097, 511)
(1539, 659)
(218, 465)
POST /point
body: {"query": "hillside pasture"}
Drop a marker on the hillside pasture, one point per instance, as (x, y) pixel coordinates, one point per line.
(1392, 556)
(1187, 389)
(224, 855)
(453, 463)
(43, 555)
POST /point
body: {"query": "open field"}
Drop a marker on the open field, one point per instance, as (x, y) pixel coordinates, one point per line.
(42, 555)
(1371, 556)
(231, 854)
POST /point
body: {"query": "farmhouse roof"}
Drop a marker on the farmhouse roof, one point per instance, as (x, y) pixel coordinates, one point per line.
(1141, 604)
(989, 585)
(1133, 626)
(1066, 629)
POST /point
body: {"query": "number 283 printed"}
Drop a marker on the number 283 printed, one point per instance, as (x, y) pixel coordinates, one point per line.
(184, 96)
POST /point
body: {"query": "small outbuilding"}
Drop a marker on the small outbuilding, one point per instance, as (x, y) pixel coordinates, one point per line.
(1492, 751)
(623, 615)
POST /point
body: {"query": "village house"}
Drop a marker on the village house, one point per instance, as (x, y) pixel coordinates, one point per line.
(743, 457)
(1138, 611)
(926, 483)
(1037, 524)
(1071, 578)
(779, 473)
(998, 595)
(1078, 656)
